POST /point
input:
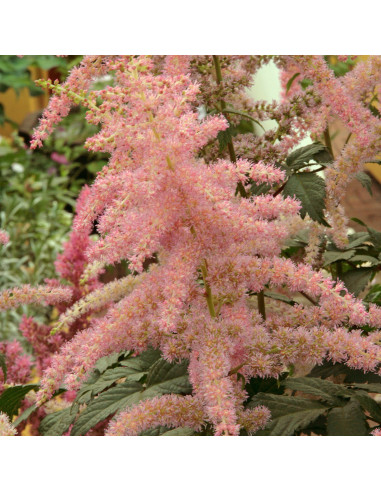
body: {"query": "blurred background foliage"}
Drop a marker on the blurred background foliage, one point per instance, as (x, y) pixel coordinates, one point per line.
(37, 189)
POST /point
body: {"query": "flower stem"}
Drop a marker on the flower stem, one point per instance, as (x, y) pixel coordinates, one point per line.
(232, 154)
(208, 290)
(328, 141)
(261, 304)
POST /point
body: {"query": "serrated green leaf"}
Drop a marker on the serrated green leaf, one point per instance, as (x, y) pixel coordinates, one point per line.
(368, 404)
(289, 414)
(365, 259)
(119, 397)
(357, 239)
(105, 362)
(55, 424)
(104, 381)
(365, 180)
(348, 420)
(11, 398)
(310, 190)
(303, 156)
(142, 363)
(164, 378)
(332, 256)
(105, 374)
(326, 390)
(328, 369)
(370, 387)
(357, 279)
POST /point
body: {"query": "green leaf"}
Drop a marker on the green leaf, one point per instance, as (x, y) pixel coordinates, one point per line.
(163, 378)
(374, 295)
(180, 431)
(24, 416)
(303, 156)
(266, 385)
(107, 361)
(164, 431)
(119, 397)
(289, 414)
(365, 180)
(106, 374)
(357, 239)
(326, 390)
(3, 366)
(370, 387)
(369, 405)
(310, 190)
(259, 189)
(55, 424)
(374, 236)
(289, 83)
(348, 420)
(357, 279)
(104, 381)
(332, 256)
(365, 259)
(328, 369)
(11, 398)
(142, 363)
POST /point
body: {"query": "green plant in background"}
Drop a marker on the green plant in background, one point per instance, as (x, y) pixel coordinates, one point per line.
(36, 199)
(38, 189)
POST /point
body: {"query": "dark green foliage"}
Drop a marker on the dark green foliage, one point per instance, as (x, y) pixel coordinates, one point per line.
(336, 409)
(310, 190)
(55, 424)
(303, 156)
(348, 420)
(126, 381)
(3, 366)
(11, 398)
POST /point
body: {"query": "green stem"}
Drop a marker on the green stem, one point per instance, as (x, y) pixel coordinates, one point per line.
(232, 154)
(309, 298)
(327, 141)
(280, 189)
(348, 138)
(208, 290)
(261, 304)
(339, 270)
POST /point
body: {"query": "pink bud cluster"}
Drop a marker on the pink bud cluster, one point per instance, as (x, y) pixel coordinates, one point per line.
(6, 428)
(4, 237)
(27, 294)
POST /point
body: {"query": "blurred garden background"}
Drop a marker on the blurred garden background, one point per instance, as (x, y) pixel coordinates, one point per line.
(38, 189)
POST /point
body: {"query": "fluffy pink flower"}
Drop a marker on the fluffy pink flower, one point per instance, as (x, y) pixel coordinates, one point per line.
(4, 237)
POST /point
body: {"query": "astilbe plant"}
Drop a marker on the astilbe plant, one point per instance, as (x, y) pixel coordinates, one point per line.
(177, 201)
